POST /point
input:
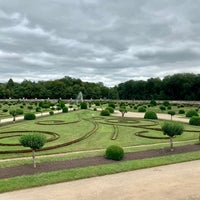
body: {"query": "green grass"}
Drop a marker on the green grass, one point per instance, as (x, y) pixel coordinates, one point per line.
(100, 140)
(22, 182)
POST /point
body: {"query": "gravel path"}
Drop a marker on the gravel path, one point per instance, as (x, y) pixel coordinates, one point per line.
(160, 116)
(177, 181)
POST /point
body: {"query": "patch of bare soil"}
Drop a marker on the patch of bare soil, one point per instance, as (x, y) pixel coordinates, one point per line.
(9, 172)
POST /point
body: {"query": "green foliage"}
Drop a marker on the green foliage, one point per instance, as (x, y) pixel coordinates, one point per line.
(34, 141)
(111, 104)
(166, 103)
(123, 110)
(195, 120)
(45, 104)
(171, 112)
(141, 109)
(38, 109)
(97, 103)
(181, 111)
(51, 112)
(65, 110)
(162, 107)
(5, 110)
(95, 109)
(172, 128)
(19, 111)
(111, 109)
(29, 116)
(153, 102)
(192, 113)
(150, 115)
(30, 107)
(114, 153)
(105, 113)
(83, 105)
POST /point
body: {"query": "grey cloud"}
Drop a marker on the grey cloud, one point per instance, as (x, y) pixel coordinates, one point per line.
(109, 41)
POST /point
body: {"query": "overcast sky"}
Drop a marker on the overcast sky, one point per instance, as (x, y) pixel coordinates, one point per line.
(109, 41)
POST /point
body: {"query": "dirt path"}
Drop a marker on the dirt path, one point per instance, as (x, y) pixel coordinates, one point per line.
(160, 116)
(177, 181)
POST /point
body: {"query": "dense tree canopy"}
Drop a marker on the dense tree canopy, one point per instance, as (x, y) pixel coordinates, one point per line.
(175, 87)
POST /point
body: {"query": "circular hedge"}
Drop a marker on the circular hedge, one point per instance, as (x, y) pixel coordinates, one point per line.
(114, 152)
(195, 120)
(150, 115)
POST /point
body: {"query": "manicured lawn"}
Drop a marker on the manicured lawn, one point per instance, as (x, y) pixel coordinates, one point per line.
(73, 125)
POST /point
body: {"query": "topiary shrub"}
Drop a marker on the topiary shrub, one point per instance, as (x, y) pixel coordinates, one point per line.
(51, 112)
(29, 116)
(191, 113)
(65, 110)
(141, 109)
(5, 110)
(150, 115)
(83, 105)
(153, 102)
(95, 109)
(30, 107)
(111, 109)
(111, 104)
(195, 120)
(181, 111)
(38, 109)
(162, 107)
(166, 103)
(114, 153)
(105, 113)
(19, 111)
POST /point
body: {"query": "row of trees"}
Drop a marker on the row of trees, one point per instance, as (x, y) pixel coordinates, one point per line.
(175, 87)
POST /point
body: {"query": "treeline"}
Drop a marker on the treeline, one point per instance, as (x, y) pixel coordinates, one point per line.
(175, 87)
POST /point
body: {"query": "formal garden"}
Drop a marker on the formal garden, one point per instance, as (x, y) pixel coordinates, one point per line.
(86, 139)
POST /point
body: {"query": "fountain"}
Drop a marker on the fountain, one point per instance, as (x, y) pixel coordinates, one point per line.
(79, 97)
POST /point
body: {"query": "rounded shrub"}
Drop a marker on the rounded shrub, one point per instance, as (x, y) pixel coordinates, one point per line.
(166, 103)
(29, 116)
(65, 110)
(38, 109)
(51, 112)
(191, 113)
(181, 111)
(83, 105)
(114, 152)
(141, 109)
(105, 113)
(30, 107)
(162, 107)
(195, 120)
(5, 110)
(111, 109)
(19, 111)
(153, 102)
(150, 115)
(111, 104)
(95, 109)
